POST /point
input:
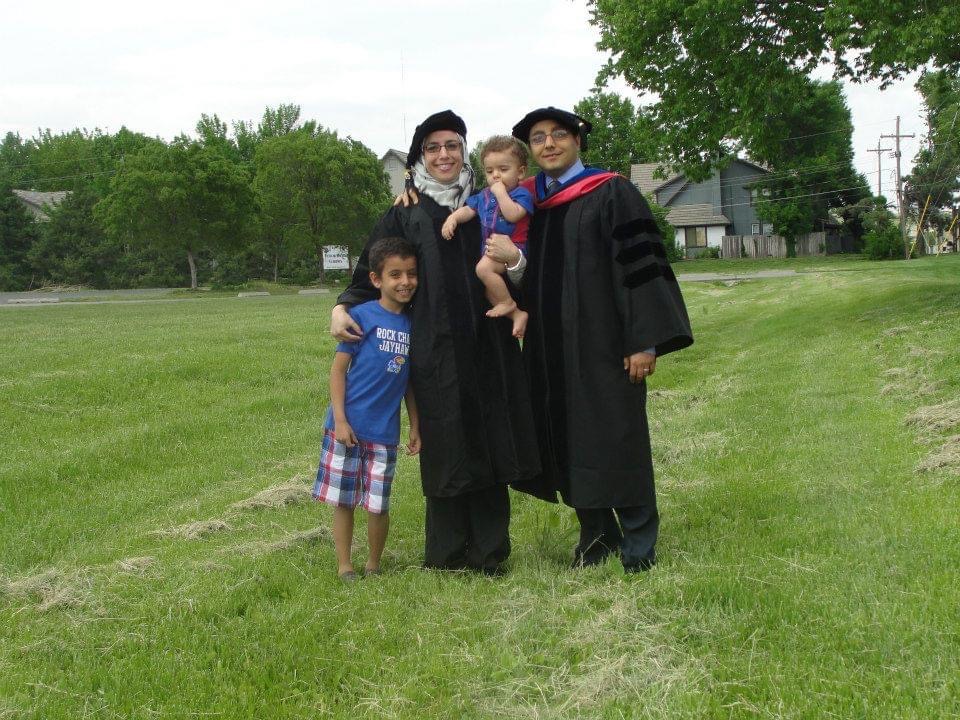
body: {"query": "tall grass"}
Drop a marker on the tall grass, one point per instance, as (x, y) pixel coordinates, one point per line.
(159, 558)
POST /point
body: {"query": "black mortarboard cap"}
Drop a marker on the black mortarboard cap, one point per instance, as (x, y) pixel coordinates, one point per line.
(444, 120)
(521, 130)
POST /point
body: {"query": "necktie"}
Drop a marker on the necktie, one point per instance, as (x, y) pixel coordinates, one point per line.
(552, 187)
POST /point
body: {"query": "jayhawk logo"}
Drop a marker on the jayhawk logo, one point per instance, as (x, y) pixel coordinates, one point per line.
(396, 364)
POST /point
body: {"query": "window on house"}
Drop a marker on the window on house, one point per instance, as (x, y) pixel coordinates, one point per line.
(695, 237)
(767, 229)
(755, 229)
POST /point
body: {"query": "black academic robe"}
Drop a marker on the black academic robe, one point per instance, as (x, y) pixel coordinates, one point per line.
(598, 287)
(467, 374)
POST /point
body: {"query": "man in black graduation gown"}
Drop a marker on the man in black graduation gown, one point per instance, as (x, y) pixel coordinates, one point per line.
(604, 306)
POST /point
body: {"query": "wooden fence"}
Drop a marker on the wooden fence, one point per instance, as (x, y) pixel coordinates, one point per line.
(760, 246)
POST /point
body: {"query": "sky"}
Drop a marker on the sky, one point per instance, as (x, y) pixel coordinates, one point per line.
(366, 68)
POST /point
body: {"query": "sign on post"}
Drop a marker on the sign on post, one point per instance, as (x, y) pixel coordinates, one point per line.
(336, 257)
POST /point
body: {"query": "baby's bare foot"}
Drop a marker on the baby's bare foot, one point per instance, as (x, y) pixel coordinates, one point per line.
(520, 318)
(502, 309)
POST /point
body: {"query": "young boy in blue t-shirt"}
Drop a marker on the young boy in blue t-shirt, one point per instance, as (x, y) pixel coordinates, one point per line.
(503, 207)
(362, 429)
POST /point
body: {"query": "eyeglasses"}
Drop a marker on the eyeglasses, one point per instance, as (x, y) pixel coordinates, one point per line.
(451, 146)
(557, 134)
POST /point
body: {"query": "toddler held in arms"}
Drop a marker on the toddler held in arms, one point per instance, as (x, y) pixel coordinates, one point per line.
(503, 207)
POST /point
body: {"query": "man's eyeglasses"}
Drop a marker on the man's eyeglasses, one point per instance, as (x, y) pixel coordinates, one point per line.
(557, 134)
(451, 146)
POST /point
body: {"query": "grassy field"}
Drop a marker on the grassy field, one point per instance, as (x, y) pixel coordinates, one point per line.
(160, 558)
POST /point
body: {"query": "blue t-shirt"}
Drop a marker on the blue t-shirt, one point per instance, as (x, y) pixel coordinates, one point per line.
(492, 220)
(377, 378)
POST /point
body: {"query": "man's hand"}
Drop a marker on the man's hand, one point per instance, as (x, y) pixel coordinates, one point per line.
(407, 198)
(343, 433)
(343, 327)
(501, 249)
(640, 366)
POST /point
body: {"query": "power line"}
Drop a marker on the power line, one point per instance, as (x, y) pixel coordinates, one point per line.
(81, 175)
(796, 197)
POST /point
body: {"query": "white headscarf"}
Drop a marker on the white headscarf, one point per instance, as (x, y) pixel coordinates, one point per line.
(451, 195)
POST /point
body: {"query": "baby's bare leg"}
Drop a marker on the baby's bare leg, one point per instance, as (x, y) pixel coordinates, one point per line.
(490, 273)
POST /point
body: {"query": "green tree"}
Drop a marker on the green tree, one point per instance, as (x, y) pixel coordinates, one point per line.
(810, 153)
(15, 159)
(622, 134)
(72, 248)
(18, 232)
(479, 178)
(936, 170)
(212, 133)
(853, 218)
(717, 66)
(184, 196)
(283, 119)
(337, 187)
(882, 238)
(280, 212)
(66, 161)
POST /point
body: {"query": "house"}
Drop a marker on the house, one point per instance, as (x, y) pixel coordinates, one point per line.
(703, 212)
(395, 165)
(37, 203)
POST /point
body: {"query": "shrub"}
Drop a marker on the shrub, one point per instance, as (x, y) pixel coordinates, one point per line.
(667, 233)
(674, 251)
(228, 272)
(883, 243)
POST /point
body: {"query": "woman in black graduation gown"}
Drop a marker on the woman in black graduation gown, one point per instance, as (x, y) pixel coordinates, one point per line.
(467, 374)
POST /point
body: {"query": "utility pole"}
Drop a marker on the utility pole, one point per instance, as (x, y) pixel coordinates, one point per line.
(878, 150)
(903, 213)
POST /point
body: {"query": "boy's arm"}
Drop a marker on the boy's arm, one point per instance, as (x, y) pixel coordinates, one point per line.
(461, 215)
(413, 444)
(511, 210)
(338, 399)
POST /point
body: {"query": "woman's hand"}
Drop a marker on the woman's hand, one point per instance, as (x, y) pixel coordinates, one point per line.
(343, 327)
(449, 228)
(501, 249)
(407, 198)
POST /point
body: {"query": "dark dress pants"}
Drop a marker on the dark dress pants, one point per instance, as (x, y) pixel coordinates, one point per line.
(469, 531)
(634, 537)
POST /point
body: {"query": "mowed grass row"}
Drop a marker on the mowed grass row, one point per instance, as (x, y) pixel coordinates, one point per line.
(807, 450)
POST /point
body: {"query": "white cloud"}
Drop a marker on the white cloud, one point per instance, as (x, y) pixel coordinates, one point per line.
(156, 68)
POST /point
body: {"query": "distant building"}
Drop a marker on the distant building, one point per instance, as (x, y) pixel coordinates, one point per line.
(37, 203)
(395, 165)
(703, 212)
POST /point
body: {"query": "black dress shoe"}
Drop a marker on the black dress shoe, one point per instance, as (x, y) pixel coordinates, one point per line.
(497, 571)
(582, 561)
(639, 567)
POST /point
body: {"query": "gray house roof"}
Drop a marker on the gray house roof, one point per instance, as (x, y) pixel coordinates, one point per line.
(37, 203)
(399, 154)
(394, 164)
(642, 175)
(687, 215)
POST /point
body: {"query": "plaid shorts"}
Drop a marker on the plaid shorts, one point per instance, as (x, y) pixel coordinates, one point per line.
(350, 477)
